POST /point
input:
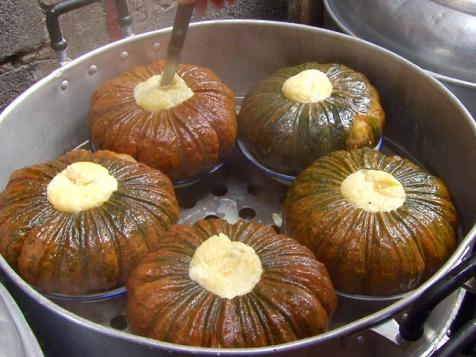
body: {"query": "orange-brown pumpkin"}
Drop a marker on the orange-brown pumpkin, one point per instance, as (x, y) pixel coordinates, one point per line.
(293, 299)
(379, 253)
(183, 141)
(91, 250)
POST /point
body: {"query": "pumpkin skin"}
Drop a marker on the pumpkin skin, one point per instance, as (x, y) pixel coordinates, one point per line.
(286, 136)
(91, 250)
(183, 141)
(293, 299)
(380, 253)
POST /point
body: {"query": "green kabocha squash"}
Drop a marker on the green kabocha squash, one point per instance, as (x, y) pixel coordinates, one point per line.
(183, 129)
(81, 223)
(215, 284)
(380, 224)
(300, 113)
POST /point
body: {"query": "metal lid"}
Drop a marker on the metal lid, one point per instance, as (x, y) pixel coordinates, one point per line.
(437, 35)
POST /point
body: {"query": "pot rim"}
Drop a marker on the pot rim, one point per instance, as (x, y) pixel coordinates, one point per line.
(357, 325)
(451, 80)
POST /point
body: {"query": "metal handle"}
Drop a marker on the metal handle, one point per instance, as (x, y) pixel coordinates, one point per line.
(58, 43)
(464, 337)
(411, 327)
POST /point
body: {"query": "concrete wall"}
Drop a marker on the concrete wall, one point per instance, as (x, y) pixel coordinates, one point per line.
(25, 55)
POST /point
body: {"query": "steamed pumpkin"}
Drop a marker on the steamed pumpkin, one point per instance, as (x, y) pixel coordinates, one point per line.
(381, 224)
(301, 113)
(215, 284)
(79, 224)
(183, 129)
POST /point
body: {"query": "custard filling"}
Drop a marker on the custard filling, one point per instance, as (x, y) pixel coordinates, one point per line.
(225, 268)
(153, 97)
(81, 186)
(373, 191)
(308, 86)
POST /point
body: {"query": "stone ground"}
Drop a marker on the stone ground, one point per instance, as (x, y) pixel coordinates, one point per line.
(25, 55)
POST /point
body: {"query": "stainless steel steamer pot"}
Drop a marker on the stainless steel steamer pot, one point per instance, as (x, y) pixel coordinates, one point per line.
(424, 120)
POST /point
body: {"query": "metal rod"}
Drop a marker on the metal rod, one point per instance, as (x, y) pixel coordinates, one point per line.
(177, 39)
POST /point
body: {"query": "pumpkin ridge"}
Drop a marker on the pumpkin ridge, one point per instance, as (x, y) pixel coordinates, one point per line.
(100, 221)
(204, 310)
(223, 130)
(332, 226)
(293, 327)
(259, 239)
(262, 320)
(249, 321)
(182, 310)
(205, 123)
(421, 214)
(63, 226)
(123, 121)
(158, 212)
(142, 231)
(80, 220)
(22, 219)
(52, 238)
(133, 203)
(266, 117)
(177, 249)
(44, 256)
(435, 203)
(265, 306)
(271, 119)
(301, 328)
(140, 125)
(399, 243)
(293, 253)
(342, 249)
(87, 246)
(394, 167)
(296, 121)
(239, 308)
(417, 226)
(212, 315)
(129, 122)
(67, 235)
(162, 315)
(369, 236)
(194, 141)
(116, 119)
(390, 222)
(239, 232)
(274, 277)
(205, 229)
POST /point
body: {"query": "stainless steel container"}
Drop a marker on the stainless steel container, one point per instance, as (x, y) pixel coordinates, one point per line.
(16, 339)
(437, 35)
(424, 121)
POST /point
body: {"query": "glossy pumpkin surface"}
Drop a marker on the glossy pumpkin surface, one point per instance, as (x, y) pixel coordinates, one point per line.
(293, 299)
(380, 253)
(183, 141)
(286, 136)
(91, 250)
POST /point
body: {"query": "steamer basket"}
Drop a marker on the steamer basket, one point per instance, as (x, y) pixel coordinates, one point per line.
(425, 122)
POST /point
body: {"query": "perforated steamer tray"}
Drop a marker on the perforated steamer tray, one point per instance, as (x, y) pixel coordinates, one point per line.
(236, 191)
